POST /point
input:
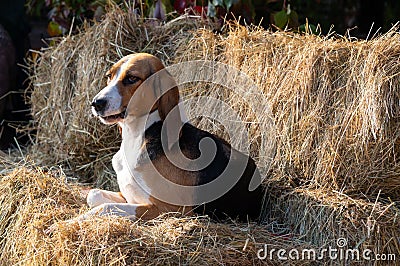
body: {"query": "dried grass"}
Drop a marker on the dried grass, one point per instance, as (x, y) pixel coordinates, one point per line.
(32, 199)
(336, 169)
(335, 107)
(334, 103)
(322, 217)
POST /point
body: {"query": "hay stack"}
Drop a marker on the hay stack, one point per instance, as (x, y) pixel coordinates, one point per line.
(335, 106)
(334, 103)
(32, 199)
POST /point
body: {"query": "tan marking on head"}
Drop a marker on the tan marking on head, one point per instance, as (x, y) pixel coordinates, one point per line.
(136, 66)
(140, 67)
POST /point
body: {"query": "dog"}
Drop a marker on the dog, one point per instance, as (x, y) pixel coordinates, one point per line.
(154, 130)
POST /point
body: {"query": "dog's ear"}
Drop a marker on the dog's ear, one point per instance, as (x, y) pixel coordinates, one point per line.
(159, 91)
(143, 99)
(168, 107)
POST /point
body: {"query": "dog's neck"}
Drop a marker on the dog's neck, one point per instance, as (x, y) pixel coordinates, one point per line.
(136, 126)
(152, 118)
(133, 136)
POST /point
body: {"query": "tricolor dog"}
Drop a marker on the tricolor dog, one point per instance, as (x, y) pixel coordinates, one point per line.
(153, 127)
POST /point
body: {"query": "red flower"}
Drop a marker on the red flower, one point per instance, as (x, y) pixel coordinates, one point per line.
(180, 6)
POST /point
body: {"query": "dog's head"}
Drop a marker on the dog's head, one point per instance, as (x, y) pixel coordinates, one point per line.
(141, 81)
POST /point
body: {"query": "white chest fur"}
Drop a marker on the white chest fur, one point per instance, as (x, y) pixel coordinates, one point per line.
(131, 182)
(130, 176)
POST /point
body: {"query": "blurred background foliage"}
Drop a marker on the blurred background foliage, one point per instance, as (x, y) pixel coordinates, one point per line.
(316, 16)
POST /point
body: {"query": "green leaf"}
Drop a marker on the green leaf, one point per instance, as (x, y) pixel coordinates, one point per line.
(211, 10)
(310, 29)
(281, 19)
(293, 17)
(229, 4)
(217, 3)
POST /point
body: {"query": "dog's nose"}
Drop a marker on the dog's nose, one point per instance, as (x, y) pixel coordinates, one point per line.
(99, 104)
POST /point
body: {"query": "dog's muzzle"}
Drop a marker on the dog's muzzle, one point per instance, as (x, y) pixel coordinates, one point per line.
(99, 109)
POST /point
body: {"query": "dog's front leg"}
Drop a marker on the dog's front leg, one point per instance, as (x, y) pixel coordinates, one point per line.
(96, 197)
(128, 210)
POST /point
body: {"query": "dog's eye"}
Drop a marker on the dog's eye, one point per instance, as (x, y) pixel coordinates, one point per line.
(130, 80)
(108, 76)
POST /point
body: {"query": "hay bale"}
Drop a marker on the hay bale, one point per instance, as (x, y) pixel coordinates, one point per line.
(334, 104)
(322, 217)
(32, 199)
